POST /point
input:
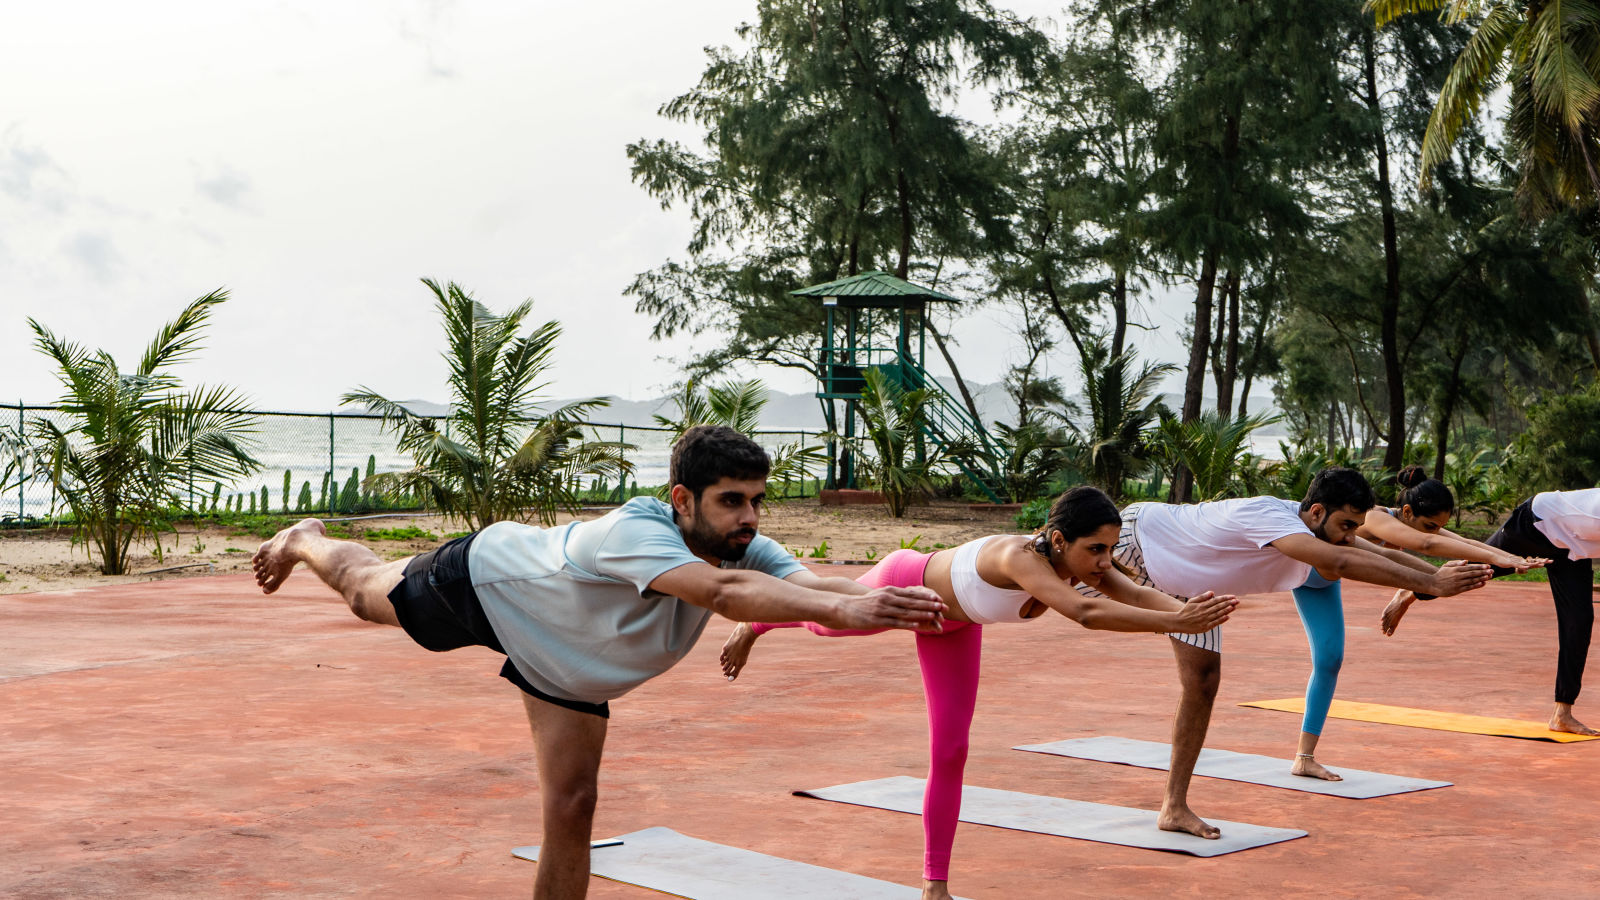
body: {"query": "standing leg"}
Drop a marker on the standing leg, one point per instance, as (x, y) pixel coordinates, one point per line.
(1572, 587)
(568, 744)
(950, 662)
(1200, 672)
(1322, 613)
(360, 577)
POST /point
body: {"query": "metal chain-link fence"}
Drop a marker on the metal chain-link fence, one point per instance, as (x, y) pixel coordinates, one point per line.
(315, 462)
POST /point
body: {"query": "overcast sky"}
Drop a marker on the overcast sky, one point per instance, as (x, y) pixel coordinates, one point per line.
(317, 158)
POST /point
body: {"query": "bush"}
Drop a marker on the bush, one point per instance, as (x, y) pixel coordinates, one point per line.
(1032, 515)
(303, 502)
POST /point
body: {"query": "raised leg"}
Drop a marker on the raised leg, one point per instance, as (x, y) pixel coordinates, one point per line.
(950, 663)
(569, 745)
(1322, 614)
(360, 577)
(1200, 672)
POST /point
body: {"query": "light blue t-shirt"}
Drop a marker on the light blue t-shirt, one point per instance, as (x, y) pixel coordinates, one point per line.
(572, 605)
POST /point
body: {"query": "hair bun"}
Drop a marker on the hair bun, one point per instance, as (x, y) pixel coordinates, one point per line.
(1411, 476)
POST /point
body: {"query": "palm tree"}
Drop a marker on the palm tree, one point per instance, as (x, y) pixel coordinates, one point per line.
(1123, 406)
(738, 405)
(133, 441)
(501, 458)
(894, 418)
(1212, 447)
(1548, 52)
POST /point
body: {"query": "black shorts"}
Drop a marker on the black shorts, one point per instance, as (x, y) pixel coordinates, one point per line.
(437, 606)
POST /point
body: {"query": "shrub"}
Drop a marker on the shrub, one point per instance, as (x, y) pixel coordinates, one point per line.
(303, 502)
(288, 479)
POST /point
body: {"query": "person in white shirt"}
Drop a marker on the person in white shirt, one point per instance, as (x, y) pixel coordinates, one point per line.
(1564, 527)
(588, 611)
(1257, 545)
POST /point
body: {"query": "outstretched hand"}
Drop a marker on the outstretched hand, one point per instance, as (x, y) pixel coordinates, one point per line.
(1459, 576)
(1520, 564)
(912, 608)
(1205, 612)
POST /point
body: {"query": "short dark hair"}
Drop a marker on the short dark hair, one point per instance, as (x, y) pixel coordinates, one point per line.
(1337, 487)
(706, 454)
(1426, 496)
(1078, 512)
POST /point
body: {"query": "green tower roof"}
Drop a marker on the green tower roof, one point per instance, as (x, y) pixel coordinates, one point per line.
(873, 285)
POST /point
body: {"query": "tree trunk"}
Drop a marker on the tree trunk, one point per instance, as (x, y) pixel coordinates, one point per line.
(1119, 312)
(1390, 318)
(1199, 354)
(1228, 334)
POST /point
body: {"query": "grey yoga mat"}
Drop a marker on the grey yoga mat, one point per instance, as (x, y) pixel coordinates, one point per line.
(664, 860)
(1267, 770)
(1057, 816)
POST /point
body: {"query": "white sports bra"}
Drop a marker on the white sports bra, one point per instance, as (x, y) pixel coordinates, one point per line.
(984, 603)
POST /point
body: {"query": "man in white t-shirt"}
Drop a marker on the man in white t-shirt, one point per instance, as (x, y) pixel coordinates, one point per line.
(1563, 527)
(588, 611)
(1256, 545)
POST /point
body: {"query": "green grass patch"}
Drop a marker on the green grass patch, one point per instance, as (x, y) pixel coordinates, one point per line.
(408, 533)
(456, 534)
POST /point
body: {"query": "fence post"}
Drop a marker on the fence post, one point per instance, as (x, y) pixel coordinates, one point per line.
(332, 482)
(21, 424)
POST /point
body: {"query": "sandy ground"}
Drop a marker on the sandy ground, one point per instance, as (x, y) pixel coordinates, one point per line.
(45, 560)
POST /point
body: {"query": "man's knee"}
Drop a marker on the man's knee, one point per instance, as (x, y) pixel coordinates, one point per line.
(1201, 674)
(573, 800)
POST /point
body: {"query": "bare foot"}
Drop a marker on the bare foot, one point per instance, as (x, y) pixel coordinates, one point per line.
(736, 651)
(277, 557)
(1310, 768)
(1395, 610)
(1184, 819)
(935, 890)
(1562, 720)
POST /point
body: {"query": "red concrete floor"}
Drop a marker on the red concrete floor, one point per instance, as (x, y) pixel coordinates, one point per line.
(194, 738)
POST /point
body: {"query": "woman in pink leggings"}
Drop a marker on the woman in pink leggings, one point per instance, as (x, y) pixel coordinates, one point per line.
(1003, 578)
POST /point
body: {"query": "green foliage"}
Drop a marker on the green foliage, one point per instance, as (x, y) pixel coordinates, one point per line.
(1034, 454)
(322, 498)
(894, 419)
(350, 497)
(1034, 513)
(738, 405)
(288, 480)
(914, 544)
(1113, 444)
(505, 459)
(302, 503)
(133, 439)
(216, 497)
(1212, 449)
(408, 533)
(828, 152)
(253, 500)
(1548, 55)
(1560, 451)
(819, 552)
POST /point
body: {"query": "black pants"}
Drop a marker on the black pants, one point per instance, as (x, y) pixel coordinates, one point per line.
(1571, 586)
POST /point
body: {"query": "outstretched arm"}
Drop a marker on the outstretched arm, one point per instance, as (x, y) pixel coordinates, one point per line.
(1126, 606)
(1357, 564)
(747, 596)
(1443, 544)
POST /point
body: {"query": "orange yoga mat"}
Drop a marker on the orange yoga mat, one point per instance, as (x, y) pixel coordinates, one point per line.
(1428, 718)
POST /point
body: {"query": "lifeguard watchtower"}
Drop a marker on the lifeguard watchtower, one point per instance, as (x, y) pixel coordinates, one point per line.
(875, 320)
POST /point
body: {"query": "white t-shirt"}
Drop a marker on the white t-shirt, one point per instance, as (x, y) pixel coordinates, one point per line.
(1570, 519)
(573, 606)
(1221, 546)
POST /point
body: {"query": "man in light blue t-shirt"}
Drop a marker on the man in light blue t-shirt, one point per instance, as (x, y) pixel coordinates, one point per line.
(590, 610)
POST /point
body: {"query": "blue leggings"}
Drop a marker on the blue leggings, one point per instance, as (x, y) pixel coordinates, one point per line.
(1321, 608)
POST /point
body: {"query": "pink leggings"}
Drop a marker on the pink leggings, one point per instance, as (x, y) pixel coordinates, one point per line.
(950, 684)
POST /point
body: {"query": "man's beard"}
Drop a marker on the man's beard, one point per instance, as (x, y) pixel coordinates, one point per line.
(706, 540)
